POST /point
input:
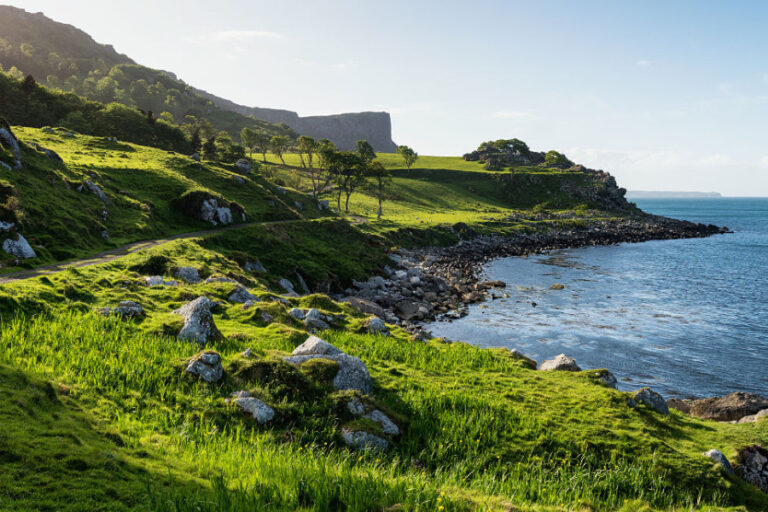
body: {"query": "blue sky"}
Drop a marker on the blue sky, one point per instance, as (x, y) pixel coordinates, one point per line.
(664, 95)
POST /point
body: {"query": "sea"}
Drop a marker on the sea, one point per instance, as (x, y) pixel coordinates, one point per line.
(689, 318)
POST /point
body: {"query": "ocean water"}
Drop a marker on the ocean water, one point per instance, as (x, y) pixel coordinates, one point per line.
(685, 317)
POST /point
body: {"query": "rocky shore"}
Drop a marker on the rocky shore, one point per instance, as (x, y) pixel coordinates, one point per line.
(440, 282)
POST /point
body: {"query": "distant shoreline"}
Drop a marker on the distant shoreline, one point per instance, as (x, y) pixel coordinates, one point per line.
(646, 194)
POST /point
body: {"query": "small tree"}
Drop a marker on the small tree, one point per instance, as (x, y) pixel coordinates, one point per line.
(307, 145)
(248, 138)
(195, 139)
(348, 169)
(278, 143)
(209, 149)
(261, 140)
(408, 155)
(28, 85)
(556, 159)
(381, 175)
(365, 151)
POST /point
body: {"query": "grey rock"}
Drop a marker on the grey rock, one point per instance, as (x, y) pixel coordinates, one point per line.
(211, 211)
(240, 296)
(254, 266)
(302, 284)
(6, 166)
(47, 129)
(387, 425)
(239, 180)
(314, 346)
(96, 190)
(281, 190)
(754, 417)
(651, 399)
(352, 373)
(19, 247)
(298, 205)
(243, 165)
(376, 325)
(680, 404)
(731, 407)
(247, 353)
(253, 407)
(297, 313)
(153, 280)
(323, 205)
(125, 309)
(266, 318)
(365, 306)
(356, 407)
(206, 366)
(7, 226)
(219, 279)
(188, 274)
(561, 363)
(195, 157)
(407, 309)
(608, 379)
(717, 456)
(315, 319)
(286, 285)
(8, 141)
(361, 440)
(198, 321)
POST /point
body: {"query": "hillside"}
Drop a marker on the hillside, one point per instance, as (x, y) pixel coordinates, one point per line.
(102, 409)
(64, 57)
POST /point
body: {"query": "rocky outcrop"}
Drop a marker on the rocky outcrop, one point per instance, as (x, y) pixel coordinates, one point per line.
(358, 408)
(352, 373)
(9, 142)
(206, 366)
(198, 321)
(241, 296)
(720, 459)
(752, 466)
(561, 363)
(243, 165)
(188, 274)
(206, 207)
(730, 407)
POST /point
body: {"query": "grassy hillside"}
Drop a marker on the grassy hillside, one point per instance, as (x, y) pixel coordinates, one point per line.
(99, 415)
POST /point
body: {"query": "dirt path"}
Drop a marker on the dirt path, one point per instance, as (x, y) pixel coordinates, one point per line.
(118, 252)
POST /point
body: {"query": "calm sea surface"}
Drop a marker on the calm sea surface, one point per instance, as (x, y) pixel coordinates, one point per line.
(686, 317)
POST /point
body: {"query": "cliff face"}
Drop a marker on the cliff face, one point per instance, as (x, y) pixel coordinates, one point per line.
(342, 129)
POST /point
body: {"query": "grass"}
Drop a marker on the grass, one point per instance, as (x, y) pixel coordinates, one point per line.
(97, 413)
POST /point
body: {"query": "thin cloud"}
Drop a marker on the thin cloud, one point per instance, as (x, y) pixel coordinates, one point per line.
(513, 114)
(643, 63)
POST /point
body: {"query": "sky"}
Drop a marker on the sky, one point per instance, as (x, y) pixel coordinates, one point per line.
(664, 95)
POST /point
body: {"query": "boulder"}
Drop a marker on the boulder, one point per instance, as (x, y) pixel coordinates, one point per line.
(376, 325)
(219, 279)
(19, 247)
(388, 426)
(188, 274)
(158, 281)
(243, 165)
(651, 399)
(561, 363)
(206, 366)
(316, 346)
(241, 296)
(362, 440)
(753, 466)
(527, 361)
(251, 406)
(608, 379)
(717, 456)
(752, 418)
(125, 309)
(195, 157)
(215, 213)
(96, 190)
(323, 204)
(297, 314)
(365, 306)
(286, 285)
(254, 266)
(8, 140)
(298, 205)
(730, 407)
(302, 284)
(352, 373)
(407, 309)
(316, 320)
(198, 321)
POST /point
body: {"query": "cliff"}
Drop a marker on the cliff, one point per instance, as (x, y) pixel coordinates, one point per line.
(342, 129)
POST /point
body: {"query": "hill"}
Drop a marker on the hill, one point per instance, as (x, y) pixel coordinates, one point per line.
(62, 56)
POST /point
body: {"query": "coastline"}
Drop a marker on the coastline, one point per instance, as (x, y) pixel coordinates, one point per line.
(439, 283)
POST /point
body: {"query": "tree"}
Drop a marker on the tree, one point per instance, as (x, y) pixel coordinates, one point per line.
(556, 159)
(381, 175)
(248, 138)
(348, 169)
(262, 144)
(28, 85)
(308, 145)
(408, 155)
(365, 150)
(195, 139)
(278, 143)
(209, 149)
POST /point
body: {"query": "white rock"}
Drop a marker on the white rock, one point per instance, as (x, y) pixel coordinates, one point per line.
(722, 460)
(314, 346)
(286, 285)
(562, 363)
(19, 247)
(651, 399)
(254, 407)
(153, 280)
(198, 321)
(219, 279)
(387, 425)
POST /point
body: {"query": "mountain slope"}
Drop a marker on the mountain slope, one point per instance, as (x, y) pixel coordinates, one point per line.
(62, 56)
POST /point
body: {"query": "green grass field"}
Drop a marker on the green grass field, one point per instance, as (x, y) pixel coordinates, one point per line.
(97, 413)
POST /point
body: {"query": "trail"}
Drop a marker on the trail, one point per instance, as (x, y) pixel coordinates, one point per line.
(112, 254)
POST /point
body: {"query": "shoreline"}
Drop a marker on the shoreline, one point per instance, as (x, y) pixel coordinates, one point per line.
(439, 283)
